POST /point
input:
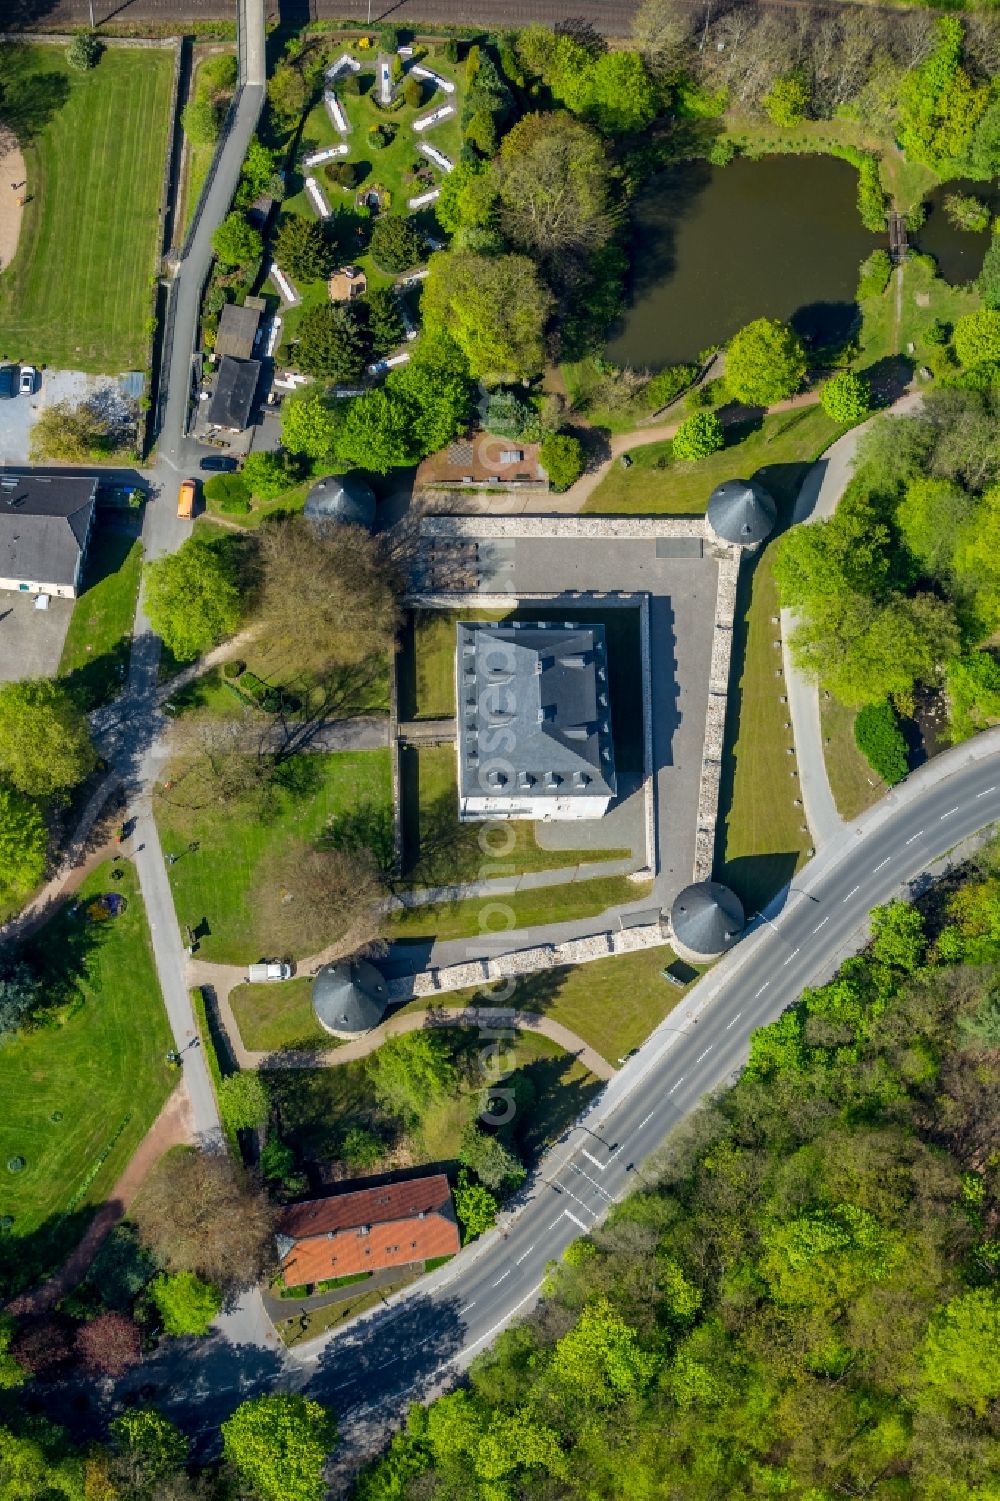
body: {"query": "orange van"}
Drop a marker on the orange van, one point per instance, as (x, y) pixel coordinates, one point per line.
(185, 500)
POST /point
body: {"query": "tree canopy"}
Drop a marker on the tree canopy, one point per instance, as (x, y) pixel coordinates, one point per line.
(23, 844)
(333, 343)
(279, 1445)
(236, 242)
(765, 362)
(494, 307)
(193, 597)
(45, 744)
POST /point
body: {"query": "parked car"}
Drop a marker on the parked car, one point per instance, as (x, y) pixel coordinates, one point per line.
(217, 461)
(185, 500)
(8, 381)
(270, 969)
(26, 385)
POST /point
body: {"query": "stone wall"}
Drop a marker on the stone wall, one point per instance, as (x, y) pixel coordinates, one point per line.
(644, 528)
(715, 718)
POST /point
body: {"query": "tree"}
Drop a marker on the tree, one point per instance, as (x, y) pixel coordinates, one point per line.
(200, 119)
(553, 180)
(244, 1101)
(36, 1464)
(109, 1344)
(600, 1361)
(988, 280)
(939, 105)
(378, 431)
(309, 426)
(73, 434)
(287, 93)
(332, 343)
(43, 1346)
(866, 652)
(468, 198)
(562, 459)
(257, 174)
(193, 597)
(411, 1073)
(268, 473)
(846, 397)
(279, 1445)
(20, 993)
(84, 51)
(964, 211)
(12, 1372)
(475, 1207)
(198, 1216)
(186, 1304)
(973, 683)
(493, 1164)
(698, 436)
(898, 937)
(976, 562)
(45, 744)
(229, 492)
(328, 595)
(310, 899)
(977, 337)
(494, 307)
(508, 417)
(961, 1356)
(765, 362)
(787, 100)
(149, 1448)
(436, 386)
(880, 740)
(23, 849)
(397, 243)
(303, 249)
(386, 329)
(236, 242)
(930, 517)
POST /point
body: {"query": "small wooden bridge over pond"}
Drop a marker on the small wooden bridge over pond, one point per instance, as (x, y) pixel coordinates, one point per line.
(897, 237)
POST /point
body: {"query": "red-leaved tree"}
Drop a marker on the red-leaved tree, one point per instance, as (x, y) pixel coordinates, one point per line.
(109, 1344)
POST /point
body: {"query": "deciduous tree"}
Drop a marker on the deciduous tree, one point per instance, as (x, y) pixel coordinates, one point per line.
(553, 178)
(309, 899)
(846, 397)
(279, 1445)
(765, 362)
(149, 1448)
(186, 1304)
(961, 1358)
(475, 1207)
(494, 307)
(236, 242)
(45, 744)
(23, 846)
(562, 459)
(193, 597)
(309, 426)
(268, 473)
(109, 1344)
(199, 1216)
(977, 337)
(244, 1101)
(698, 436)
(411, 1073)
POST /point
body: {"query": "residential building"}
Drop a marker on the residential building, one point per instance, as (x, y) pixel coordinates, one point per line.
(239, 329)
(233, 398)
(45, 526)
(534, 720)
(367, 1230)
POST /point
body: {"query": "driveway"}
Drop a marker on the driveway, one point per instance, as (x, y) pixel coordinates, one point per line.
(19, 415)
(31, 641)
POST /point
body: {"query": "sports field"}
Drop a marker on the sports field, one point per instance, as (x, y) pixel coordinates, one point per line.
(80, 1088)
(77, 294)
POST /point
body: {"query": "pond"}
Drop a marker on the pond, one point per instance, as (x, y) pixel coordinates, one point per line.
(715, 247)
(958, 252)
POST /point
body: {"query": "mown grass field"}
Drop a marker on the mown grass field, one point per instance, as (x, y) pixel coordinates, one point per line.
(87, 1081)
(853, 783)
(77, 294)
(523, 909)
(275, 1017)
(96, 649)
(213, 886)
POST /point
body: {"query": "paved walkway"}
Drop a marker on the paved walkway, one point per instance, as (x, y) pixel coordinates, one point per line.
(817, 500)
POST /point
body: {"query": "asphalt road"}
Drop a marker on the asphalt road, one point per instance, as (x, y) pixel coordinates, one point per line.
(421, 1341)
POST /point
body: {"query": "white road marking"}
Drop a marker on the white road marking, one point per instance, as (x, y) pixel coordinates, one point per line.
(571, 1216)
(473, 1303)
(592, 1181)
(524, 1255)
(762, 988)
(343, 1386)
(884, 862)
(790, 957)
(680, 1081)
(600, 1166)
(555, 1222)
(735, 1018)
(386, 1362)
(502, 1277)
(853, 892)
(947, 815)
(576, 1198)
(914, 836)
(704, 1054)
(645, 1120)
(986, 792)
(820, 924)
(484, 1339)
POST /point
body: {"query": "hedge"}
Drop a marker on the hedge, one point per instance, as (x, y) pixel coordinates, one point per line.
(880, 741)
(212, 1062)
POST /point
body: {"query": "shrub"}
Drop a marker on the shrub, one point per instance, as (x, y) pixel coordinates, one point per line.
(413, 93)
(846, 397)
(268, 473)
(361, 1150)
(186, 1304)
(84, 51)
(666, 385)
(874, 274)
(234, 669)
(966, 212)
(228, 491)
(880, 740)
(351, 85)
(871, 197)
(380, 136)
(977, 337)
(507, 417)
(475, 1207)
(388, 39)
(988, 280)
(200, 119)
(562, 459)
(698, 436)
(787, 100)
(449, 50)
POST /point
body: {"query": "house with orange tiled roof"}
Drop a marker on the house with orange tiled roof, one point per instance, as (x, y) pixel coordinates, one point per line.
(367, 1230)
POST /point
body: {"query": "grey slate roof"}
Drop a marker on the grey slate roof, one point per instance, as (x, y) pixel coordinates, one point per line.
(350, 996)
(707, 918)
(238, 328)
(44, 521)
(234, 392)
(340, 498)
(533, 712)
(741, 511)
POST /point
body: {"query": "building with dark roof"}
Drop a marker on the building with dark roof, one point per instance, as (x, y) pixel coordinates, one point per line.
(232, 400)
(239, 329)
(342, 498)
(706, 918)
(45, 525)
(741, 512)
(367, 1231)
(349, 997)
(534, 721)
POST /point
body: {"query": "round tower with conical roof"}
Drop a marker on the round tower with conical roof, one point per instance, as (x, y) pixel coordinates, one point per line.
(707, 919)
(341, 498)
(349, 997)
(741, 512)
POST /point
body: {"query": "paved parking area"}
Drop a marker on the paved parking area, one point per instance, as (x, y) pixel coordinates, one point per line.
(31, 641)
(19, 415)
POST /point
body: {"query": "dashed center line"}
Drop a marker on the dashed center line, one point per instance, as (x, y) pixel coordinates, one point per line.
(853, 892)
(884, 862)
(504, 1275)
(762, 988)
(735, 1019)
(914, 836)
(523, 1255)
(473, 1303)
(986, 792)
(704, 1054)
(680, 1081)
(947, 815)
(645, 1120)
(826, 919)
(790, 957)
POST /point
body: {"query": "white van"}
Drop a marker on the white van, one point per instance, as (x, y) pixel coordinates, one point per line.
(271, 969)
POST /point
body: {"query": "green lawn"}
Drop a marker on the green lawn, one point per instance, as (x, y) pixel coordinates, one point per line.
(613, 1004)
(213, 886)
(77, 294)
(657, 483)
(927, 298)
(479, 915)
(80, 1091)
(96, 650)
(198, 159)
(853, 783)
(440, 850)
(275, 1017)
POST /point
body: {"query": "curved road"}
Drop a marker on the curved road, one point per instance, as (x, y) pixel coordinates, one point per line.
(421, 1340)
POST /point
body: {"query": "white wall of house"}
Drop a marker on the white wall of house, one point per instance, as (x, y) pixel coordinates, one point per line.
(32, 586)
(539, 809)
